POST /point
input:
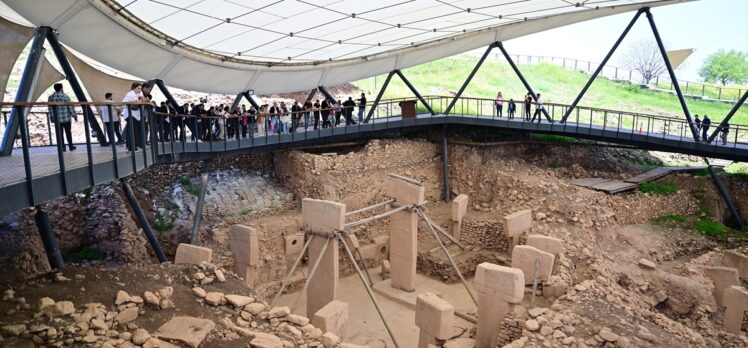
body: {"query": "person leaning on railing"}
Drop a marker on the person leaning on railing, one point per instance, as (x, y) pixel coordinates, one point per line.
(723, 133)
(110, 117)
(62, 115)
(131, 113)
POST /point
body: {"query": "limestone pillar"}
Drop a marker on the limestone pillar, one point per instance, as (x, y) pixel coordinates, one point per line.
(737, 260)
(545, 243)
(736, 301)
(434, 318)
(459, 210)
(498, 288)
(245, 246)
(722, 279)
(524, 257)
(322, 216)
(193, 254)
(515, 224)
(404, 230)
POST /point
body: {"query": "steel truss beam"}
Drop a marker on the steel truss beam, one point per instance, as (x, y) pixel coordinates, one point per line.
(77, 89)
(725, 196)
(165, 91)
(413, 89)
(311, 95)
(671, 72)
(728, 117)
(384, 87)
(522, 78)
(379, 96)
(469, 78)
(28, 80)
(602, 65)
(327, 94)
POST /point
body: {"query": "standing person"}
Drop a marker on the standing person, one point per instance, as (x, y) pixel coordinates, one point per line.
(285, 118)
(131, 113)
(348, 106)
(705, 124)
(538, 109)
(193, 123)
(528, 106)
(338, 111)
(499, 105)
(361, 108)
(315, 109)
(261, 116)
(697, 121)
(723, 133)
(111, 120)
(295, 115)
(307, 112)
(62, 117)
(326, 113)
(512, 108)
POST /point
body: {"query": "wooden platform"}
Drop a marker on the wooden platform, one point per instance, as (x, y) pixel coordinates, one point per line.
(616, 186)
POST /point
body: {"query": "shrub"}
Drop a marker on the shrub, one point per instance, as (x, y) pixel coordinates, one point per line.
(87, 253)
(552, 138)
(662, 189)
(162, 224)
(710, 227)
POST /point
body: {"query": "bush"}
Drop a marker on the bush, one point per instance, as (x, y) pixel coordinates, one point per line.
(87, 253)
(710, 227)
(552, 138)
(162, 224)
(185, 181)
(662, 189)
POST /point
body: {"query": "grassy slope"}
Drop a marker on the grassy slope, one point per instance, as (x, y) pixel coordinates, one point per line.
(557, 85)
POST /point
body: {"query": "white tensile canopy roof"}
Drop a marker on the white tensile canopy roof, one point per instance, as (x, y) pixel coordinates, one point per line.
(274, 46)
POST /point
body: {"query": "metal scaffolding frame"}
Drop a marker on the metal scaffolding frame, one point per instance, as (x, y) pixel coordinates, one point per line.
(384, 87)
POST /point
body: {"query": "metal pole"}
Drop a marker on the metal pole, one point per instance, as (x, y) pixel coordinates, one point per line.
(522, 78)
(535, 283)
(413, 89)
(252, 101)
(729, 116)
(327, 94)
(237, 101)
(671, 72)
(311, 275)
(725, 196)
(371, 207)
(363, 263)
(449, 256)
(470, 77)
(73, 79)
(48, 239)
(199, 208)
(143, 222)
(368, 289)
(379, 96)
(600, 67)
(311, 94)
(165, 91)
(25, 88)
(445, 163)
(293, 269)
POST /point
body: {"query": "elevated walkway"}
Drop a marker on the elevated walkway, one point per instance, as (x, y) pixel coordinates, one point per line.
(616, 186)
(51, 174)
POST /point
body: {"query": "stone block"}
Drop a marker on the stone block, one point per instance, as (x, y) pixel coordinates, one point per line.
(545, 243)
(321, 214)
(244, 244)
(405, 190)
(736, 301)
(722, 278)
(524, 257)
(352, 241)
(379, 250)
(294, 244)
(504, 283)
(425, 340)
(434, 315)
(736, 260)
(491, 313)
(323, 285)
(459, 207)
(332, 318)
(193, 254)
(518, 222)
(403, 249)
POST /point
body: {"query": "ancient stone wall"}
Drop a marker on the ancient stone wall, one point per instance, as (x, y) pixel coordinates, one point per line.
(488, 234)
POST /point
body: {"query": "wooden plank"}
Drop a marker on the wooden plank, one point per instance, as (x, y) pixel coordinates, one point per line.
(588, 182)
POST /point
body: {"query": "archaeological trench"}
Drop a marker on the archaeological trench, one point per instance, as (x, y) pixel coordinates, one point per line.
(354, 245)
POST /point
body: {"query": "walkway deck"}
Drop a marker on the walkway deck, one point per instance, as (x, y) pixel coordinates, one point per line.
(616, 186)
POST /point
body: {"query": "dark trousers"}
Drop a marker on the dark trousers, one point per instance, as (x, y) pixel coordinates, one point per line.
(112, 129)
(192, 125)
(179, 132)
(133, 136)
(511, 114)
(68, 129)
(499, 110)
(316, 120)
(528, 107)
(705, 133)
(538, 113)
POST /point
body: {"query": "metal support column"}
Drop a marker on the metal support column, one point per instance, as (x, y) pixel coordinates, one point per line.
(25, 88)
(327, 94)
(143, 222)
(311, 95)
(469, 78)
(728, 117)
(379, 97)
(521, 77)
(237, 101)
(673, 78)
(445, 161)
(48, 238)
(77, 89)
(602, 65)
(725, 196)
(413, 89)
(252, 100)
(165, 91)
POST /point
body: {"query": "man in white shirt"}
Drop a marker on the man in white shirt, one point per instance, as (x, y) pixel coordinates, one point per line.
(538, 109)
(131, 113)
(110, 117)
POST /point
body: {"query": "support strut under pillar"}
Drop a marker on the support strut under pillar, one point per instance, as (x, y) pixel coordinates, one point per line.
(48, 239)
(445, 162)
(725, 197)
(143, 222)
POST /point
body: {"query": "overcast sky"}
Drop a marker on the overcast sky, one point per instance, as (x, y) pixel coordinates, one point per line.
(705, 25)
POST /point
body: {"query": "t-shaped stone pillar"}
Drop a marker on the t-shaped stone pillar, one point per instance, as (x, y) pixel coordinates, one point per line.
(498, 288)
(736, 303)
(322, 216)
(722, 279)
(515, 224)
(245, 246)
(404, 231)
(434, 318)
(459, 210)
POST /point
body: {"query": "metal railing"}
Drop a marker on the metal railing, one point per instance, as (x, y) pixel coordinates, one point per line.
(40, 168)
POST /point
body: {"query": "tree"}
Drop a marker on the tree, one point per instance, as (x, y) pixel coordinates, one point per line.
(644, 57)
(725, 67)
